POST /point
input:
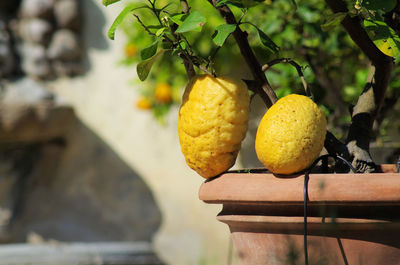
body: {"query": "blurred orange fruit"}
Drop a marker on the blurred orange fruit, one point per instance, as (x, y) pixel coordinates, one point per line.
(130, 50)
(143, 103)
(163, 93)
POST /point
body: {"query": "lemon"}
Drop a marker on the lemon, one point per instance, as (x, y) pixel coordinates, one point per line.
(212, 123)
(291, 135)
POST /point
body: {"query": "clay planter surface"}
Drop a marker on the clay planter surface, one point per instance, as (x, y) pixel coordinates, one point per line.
(352, 218)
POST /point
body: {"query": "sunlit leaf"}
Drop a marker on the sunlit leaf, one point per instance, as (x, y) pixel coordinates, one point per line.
(193, 22)
(178, 18)
(183, 45)
(387, 46)
(160, 31)
(383, 36)
(222, 32)
(128, 9)
(109, 2)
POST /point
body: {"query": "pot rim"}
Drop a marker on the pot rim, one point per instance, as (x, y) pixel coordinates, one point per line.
(264, 188)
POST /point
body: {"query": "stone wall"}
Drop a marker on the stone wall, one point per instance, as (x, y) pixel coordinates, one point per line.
(78, 162)
(59, 182)
(40, 38)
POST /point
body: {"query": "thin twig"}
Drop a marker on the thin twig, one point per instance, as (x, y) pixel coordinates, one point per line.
(265, 67)
(186, 60)
(371, 99)
(143, 25)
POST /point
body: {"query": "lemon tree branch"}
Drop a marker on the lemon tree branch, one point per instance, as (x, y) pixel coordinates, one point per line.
(371, 99)
(265, 90)
(186, 62)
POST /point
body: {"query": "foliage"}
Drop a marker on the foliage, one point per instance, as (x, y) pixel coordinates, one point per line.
(305, 31)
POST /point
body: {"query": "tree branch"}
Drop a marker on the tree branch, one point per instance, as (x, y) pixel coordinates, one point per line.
(382, 62)
(265, 91)
(371, 100)
(186, 62)
(358, 34)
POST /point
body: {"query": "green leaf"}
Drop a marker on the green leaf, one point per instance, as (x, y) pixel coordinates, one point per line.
(178, 18)
(384, 5)
(333, 21)
(160, 31)
(157, 27)
(388, 46)
(236, 3)
(239, 3)
(183, 45)
(109, 2)
(383, 36)
(251, 3)
(222, 32)
(193, 22)
(144, 67)
(149, 51)
(121, 17)
(267, 41)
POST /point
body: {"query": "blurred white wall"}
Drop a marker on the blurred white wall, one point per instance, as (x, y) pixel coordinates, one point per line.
(105, 103)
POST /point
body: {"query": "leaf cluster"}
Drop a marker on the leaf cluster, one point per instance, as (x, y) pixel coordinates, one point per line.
(306, 31)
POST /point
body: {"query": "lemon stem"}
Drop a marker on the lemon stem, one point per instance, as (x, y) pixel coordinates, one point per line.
(264, 90)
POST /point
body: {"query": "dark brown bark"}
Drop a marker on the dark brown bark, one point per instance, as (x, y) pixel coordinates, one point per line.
(370, 101)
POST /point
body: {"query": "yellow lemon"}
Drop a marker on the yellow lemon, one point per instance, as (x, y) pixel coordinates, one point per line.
(212, 123)
(163, 93)
(291, 135)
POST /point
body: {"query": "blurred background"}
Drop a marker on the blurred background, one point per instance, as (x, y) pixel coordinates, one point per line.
(89, 155)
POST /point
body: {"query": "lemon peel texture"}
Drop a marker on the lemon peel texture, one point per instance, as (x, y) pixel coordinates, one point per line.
(291, 135)
(212, 123)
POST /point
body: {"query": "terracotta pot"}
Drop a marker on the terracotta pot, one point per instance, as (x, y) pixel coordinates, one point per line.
(352, 218)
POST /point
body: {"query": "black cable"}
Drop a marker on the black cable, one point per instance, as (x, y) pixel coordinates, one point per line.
(305, 190)
(306, 178)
